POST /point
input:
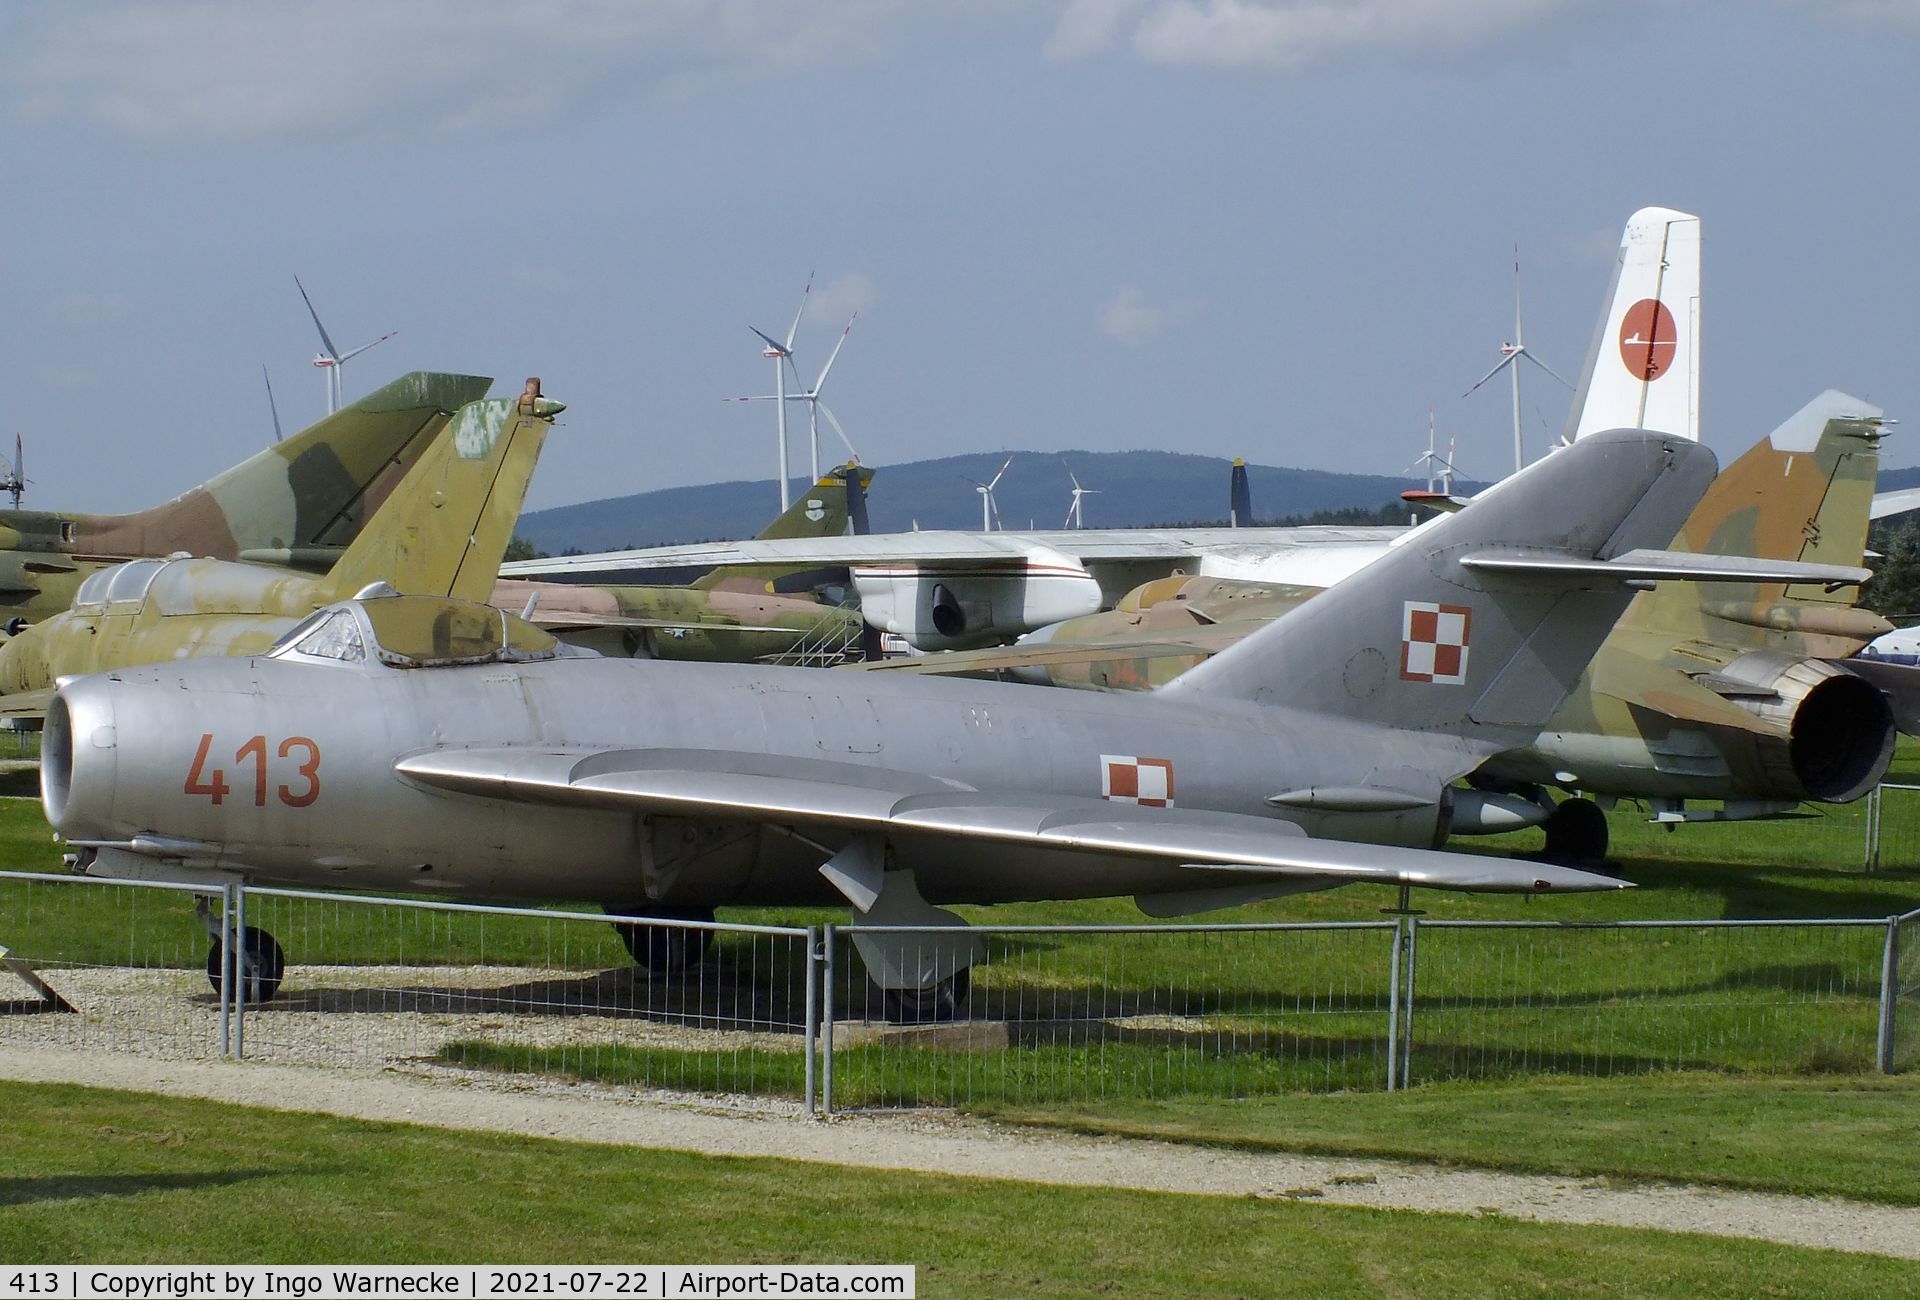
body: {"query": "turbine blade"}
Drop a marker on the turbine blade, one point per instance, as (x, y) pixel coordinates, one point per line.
(1504, 363)
(271, 405)
(826, 411)
(793, 328)
(1522, 352)
(346, 357)
(995, 481)
(782, 350)
(325, 342)
(834, 356)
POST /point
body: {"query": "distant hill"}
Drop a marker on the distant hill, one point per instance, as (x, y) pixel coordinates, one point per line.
(1896, 480)
(1132, 489)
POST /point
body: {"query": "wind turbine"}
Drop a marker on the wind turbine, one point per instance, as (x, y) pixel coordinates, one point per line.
(1433, 460)
(332, 358)
(1075, 519)
(1510, 356)
(14, 481)
(815, 407)
(989, 508)
(781, 354)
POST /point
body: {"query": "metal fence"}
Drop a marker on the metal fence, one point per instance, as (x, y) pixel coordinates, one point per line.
(1893, 827)
(770, 1016)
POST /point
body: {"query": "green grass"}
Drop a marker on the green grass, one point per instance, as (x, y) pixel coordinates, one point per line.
(1857, 1138)
(107, 1177)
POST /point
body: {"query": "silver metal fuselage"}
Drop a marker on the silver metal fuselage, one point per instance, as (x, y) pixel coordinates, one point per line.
(122, 753)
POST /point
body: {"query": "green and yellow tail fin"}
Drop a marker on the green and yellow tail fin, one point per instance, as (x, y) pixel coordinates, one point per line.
(446, 526)
(823, 510)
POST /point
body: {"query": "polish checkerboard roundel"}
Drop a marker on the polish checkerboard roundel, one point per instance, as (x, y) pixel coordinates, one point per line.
(1127, 778)
(1433, 643)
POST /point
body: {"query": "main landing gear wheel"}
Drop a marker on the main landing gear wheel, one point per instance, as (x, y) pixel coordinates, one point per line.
(936, 1004)
(1576, 834)
(663, 949)
(258, 978)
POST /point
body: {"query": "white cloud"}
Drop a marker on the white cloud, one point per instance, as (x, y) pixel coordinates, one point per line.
(1288, 35)
(1131, 319)
(1089, 27)
(833, 302)
(84, 310)
(238, 69)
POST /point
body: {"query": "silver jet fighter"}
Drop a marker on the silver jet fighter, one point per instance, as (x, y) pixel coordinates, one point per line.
(414, 743)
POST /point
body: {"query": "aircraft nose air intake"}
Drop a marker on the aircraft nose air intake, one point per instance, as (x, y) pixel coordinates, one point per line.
(79, 752)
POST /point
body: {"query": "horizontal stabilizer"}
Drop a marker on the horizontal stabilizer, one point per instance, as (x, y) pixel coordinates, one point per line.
(858, 799)
(1654, 566)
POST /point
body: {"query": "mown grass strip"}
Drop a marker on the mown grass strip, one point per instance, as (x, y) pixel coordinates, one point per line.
(114, 1177)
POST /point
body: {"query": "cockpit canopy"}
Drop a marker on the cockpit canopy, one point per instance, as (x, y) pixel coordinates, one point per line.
(417, 632)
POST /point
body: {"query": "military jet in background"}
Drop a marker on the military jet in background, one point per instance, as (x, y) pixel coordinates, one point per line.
(409, 743)
(299, 502)
(943, 590)
(1727, 692)
(727, 616)
(442, 531)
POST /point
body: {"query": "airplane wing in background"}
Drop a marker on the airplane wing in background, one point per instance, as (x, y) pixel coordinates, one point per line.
(1199, 641)
(851, 798)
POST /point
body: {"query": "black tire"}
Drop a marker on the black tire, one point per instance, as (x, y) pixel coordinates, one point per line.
(663, 949)
(936, 1005)
(265, 966)
(1576, 833)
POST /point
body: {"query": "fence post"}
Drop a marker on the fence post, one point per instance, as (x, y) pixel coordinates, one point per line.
(1406, 1003)
(226, 990)
(1393, 1007)
(826, 1021)
(1889, 994)
(1871, 858)
(242, 969)
(812, 1012)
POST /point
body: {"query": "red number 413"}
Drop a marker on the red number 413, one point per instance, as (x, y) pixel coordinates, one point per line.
(214, 784)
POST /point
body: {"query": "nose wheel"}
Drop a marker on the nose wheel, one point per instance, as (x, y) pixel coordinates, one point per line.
(1576, 834)
(663, 949)
(261, 965)
(936, 1004)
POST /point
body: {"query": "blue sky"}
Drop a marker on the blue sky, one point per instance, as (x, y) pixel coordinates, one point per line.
(1280, 230)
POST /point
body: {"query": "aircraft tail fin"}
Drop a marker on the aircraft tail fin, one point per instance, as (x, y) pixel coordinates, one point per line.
(1643, 370)
(824, 510)
(1480, 621)
(314, 490)
(446, 526)
(1804, 492)
(1239, 497)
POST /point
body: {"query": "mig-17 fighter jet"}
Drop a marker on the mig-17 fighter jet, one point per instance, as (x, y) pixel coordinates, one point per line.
(405, 742)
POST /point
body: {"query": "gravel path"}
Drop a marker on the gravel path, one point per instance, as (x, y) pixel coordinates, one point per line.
(950, 1145)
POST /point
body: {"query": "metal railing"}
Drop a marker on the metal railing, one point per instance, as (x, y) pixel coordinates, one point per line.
(787, 1016)
(1896, 844)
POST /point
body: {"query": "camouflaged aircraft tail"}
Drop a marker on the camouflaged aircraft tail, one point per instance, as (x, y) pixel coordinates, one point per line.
(1643, 370)
(445, 529)
(1425, 638)
(302, 500)
(1803, 492)
(824, 510)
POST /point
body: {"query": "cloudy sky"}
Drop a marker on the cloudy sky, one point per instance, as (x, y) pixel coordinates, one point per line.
(1281, 229)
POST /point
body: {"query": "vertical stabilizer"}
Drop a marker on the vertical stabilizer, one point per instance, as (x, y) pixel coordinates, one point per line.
(445, 528)
(1643, 371)
(1239, 497)
(1422, 640)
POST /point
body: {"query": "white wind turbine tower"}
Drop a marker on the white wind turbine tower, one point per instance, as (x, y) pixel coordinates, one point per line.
(1510, 357)
(1075, 519)
(781, 354)
(989, 508)
(332, 359)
